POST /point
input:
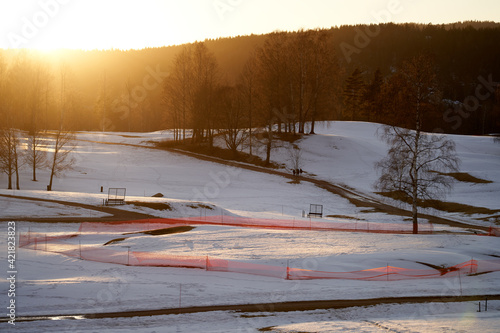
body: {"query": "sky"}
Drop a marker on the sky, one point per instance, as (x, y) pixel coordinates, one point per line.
(136, 24)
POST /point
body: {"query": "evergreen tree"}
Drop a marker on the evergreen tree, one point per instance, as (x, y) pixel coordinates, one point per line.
(353, 94)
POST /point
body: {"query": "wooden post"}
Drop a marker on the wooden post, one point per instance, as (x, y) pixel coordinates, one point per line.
(180, 296)
(460, 281)
(128, 256)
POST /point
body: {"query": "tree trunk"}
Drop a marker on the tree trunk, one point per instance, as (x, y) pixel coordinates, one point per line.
(313, 121)
(16, 165)
(414, 212)
(33, 156)
(269, 143)
(9, 176)
(414, 166)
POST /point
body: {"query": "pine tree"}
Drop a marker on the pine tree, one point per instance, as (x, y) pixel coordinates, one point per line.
(353, 94)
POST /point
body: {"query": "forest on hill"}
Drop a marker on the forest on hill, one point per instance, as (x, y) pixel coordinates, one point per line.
(282, 78)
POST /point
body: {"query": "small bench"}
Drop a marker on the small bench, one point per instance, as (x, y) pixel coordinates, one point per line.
(115, 202)
(116, 196)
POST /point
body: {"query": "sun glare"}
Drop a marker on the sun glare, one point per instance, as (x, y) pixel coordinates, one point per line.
(127, 24)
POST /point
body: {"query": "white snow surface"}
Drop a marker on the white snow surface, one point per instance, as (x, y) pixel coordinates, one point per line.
(341, 152)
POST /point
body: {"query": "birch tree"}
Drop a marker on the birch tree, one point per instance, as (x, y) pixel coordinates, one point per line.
(416, 163)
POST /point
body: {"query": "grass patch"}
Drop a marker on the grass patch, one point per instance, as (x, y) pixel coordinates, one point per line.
(156, 232)
(289, 137)
(345, 217)
(152, 205)
(450, 207)
(465, 177)
(255, 316)
(164, 231)
(116, 240)
(489, 218)
(200, 205)
(225, 154)
(442, 269)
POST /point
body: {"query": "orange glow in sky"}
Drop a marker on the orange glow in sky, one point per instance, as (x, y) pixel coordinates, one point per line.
(127, 24)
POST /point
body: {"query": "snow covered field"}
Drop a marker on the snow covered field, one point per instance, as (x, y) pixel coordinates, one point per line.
(49, 283)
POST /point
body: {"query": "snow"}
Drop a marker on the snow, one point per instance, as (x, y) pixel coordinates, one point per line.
(19, 208)
(341, 152)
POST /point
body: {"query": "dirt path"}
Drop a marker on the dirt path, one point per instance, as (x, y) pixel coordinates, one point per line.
(268, 307)
(116, 214)
(355, 198)
(358, 199)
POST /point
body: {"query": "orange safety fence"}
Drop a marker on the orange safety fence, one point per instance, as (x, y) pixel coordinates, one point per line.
(60, 244)
(357, 226)
(494, 231)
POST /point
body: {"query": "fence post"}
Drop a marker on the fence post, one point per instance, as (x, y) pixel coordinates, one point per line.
(180, 296)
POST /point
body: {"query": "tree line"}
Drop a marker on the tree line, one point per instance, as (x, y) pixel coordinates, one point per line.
(111, 91)
(248, 90)
(288, 81)
(24, 136)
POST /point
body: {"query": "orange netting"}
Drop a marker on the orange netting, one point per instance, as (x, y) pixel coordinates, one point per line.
(494, 231)
(63, 244)
(358, 226)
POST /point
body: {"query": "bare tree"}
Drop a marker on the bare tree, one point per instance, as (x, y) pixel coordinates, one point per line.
(6, 134)
(206, 79)
(416, 162)
(103, 103)
(178, 91)
(8, 142)
(271, 69)
(63, 140)
(295, 157)
(35, 156)
(61, 160)
(14, 105)
(231, 118)
(247, 87)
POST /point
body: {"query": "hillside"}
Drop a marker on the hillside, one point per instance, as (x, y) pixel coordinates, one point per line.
(465, 54)
(71, 271)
